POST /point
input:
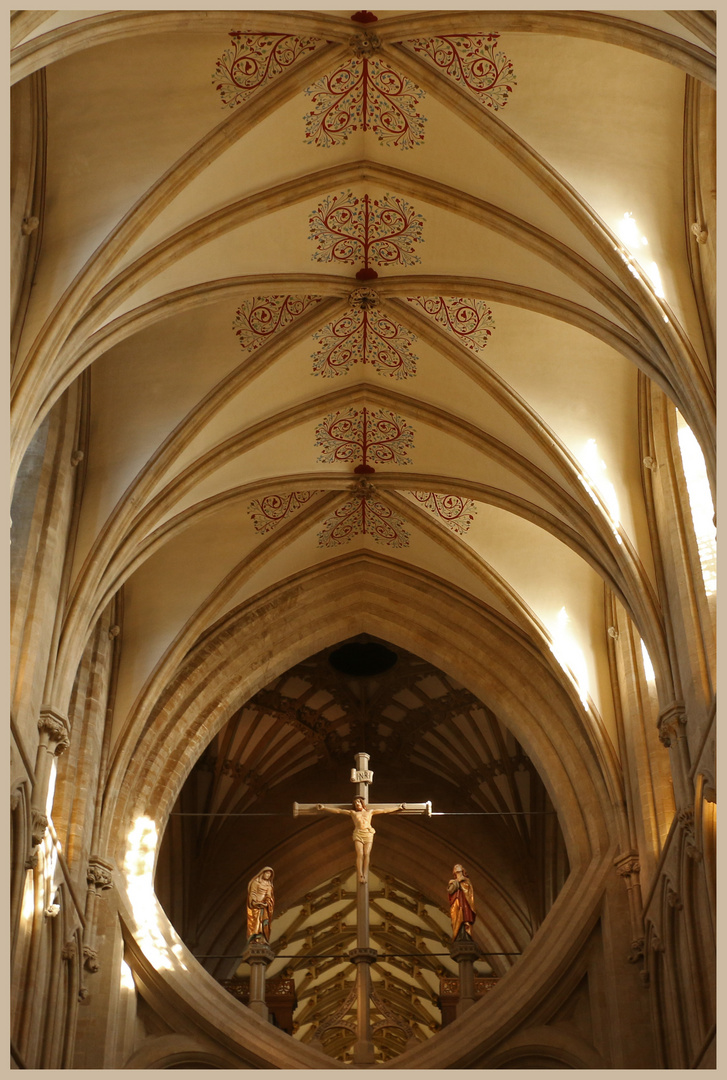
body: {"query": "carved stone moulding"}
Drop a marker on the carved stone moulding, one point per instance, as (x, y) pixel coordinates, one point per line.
(39, 824)
(669, 723)
(99, 875)
(56, 726)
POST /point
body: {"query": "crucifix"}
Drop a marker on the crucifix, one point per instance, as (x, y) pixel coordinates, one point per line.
(363, 834)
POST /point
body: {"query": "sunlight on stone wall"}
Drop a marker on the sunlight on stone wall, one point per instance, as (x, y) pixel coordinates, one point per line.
(569, 654)
(700, 502)
(155, 935)
(595, 478)
(631, 236)
(648, 666)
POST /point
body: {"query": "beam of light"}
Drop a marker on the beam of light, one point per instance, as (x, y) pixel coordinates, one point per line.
(569, 654)
(634, 240)
(156, 936)
(28, 897)
(648, 666)
(700, 503)
(126, 978)
(51, 789)
(594, 479)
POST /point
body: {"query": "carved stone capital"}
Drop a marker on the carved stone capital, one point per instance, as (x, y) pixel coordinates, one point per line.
(69, 950)
(463, 949)
(52, 910)
(38, 825)
(83, 995)
(636, 952)
(364, 299)
(670, 721)
(629, 864)
(258, 952)
(31, 862)
(365, 43)
(99, 875)
(90, 959)
(14, 801)
(57, 727)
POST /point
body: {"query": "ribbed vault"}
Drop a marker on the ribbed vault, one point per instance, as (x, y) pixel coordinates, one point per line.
(355, 328)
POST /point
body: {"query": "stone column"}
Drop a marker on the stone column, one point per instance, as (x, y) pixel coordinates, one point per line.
(672, 722)
(99, 879)
(363, 957)
(465, 952)
(54, 739)
(629, 868)
(258, 955)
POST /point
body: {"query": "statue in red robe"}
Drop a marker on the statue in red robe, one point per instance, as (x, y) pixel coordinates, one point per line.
(461, 903)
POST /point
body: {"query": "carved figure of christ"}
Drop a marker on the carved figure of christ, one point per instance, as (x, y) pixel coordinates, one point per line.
(363, 830)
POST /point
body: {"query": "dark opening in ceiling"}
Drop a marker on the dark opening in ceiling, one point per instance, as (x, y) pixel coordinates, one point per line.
(362, 659)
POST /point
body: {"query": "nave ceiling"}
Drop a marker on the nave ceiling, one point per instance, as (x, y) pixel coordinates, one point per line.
(384, 286)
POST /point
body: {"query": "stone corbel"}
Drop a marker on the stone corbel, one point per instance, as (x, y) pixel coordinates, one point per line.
(671, 722)
(90, 959)
(38, 825)
(69, 950)
(636, 952)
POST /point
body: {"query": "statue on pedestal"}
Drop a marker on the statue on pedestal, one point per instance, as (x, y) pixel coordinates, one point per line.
(260, 905)
(461, 903)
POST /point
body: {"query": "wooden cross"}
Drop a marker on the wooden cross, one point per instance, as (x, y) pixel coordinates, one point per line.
(363, 955)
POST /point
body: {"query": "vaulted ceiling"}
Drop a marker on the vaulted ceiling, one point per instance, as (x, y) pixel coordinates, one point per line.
(340, 282)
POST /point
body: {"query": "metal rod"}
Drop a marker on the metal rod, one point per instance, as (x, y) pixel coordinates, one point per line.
(435, 813)
(340, 956)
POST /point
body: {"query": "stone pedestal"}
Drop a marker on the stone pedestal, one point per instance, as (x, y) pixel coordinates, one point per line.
(465, 952)
(258, 955)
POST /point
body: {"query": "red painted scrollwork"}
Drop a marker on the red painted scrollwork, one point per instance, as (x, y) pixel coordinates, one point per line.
(270, 511)
(456, 513)
(383, 231)
(364, 337)
(472, 61)
(254, 59)
(469, 320)
(368, 95)
(258, 318)
(366, 437)
(366, 516)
